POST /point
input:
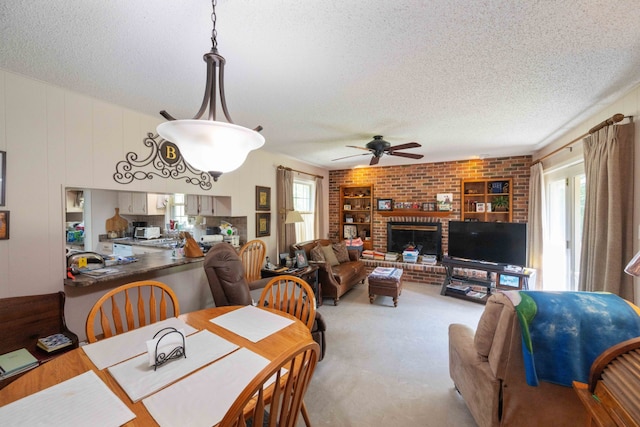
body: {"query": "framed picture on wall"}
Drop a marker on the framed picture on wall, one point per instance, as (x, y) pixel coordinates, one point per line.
(263, 198)
(4, 225)
(3, 175)
(263, 224)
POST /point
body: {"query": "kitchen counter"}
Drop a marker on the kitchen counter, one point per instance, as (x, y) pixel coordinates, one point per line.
(145, 264)
(164, 243)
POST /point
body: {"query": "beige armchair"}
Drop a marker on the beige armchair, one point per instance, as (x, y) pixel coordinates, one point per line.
(487, 368)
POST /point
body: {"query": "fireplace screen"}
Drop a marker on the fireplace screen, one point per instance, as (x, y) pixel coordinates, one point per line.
(426, 237)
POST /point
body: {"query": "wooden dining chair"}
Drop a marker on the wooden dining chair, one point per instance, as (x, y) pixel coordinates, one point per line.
(264, 403)
(151, 306)
(252, 255)
(294, 296)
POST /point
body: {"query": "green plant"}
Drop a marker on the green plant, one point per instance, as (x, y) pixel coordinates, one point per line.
(501, 202)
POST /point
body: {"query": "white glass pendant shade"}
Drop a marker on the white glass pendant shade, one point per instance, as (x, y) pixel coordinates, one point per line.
(211, 146)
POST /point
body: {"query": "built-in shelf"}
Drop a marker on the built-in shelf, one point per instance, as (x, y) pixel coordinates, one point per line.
(411, 212)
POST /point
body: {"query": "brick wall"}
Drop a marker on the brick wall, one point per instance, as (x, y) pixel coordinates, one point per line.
(422, 182)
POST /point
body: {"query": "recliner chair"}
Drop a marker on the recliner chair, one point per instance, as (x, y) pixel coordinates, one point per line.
(228, 285)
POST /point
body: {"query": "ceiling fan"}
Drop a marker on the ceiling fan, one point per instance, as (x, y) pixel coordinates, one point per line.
(379, 146)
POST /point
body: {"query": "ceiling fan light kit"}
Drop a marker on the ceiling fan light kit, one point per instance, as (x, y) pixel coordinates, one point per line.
(378, 147)
(206, 144)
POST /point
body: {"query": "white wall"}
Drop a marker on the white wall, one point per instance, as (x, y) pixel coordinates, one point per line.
(55, 138)
(629, 105)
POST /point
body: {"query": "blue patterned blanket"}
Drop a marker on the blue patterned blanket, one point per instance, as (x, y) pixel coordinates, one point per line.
(564, 332)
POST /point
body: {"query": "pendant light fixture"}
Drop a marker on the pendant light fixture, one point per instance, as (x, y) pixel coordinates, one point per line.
(206, 144)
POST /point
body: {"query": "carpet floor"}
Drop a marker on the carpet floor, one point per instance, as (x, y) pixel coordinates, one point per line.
(387, 366)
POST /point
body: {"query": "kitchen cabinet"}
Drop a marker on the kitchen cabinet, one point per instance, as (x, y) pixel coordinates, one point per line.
(132, 203)
(222, 206)
(74, 201)
(156, 204)
(207, 205)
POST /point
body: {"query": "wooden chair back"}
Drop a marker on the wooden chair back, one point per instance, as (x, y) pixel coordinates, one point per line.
(264, 403)
(252, 255)
(292, 295)
(151, 306)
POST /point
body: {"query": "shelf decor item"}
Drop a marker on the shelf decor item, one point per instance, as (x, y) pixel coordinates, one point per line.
(500, 204)
(445, 201)
(263, 198)
(385, 204)
(350, 231)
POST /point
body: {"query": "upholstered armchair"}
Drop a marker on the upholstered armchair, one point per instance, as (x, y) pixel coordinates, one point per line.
(229, 286)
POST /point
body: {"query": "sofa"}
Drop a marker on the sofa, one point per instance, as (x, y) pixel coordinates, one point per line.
(487, 368)
(338, 273)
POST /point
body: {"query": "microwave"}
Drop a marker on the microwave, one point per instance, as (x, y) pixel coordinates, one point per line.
(147, 232)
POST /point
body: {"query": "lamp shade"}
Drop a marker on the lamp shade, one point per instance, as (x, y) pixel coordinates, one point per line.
(211, 146)
(633, 268)
(293, 217)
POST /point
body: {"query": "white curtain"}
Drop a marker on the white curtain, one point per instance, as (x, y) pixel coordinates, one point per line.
(607, 239)
(536, 223)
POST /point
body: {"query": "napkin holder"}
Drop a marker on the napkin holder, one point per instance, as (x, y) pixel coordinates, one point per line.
(177, 352)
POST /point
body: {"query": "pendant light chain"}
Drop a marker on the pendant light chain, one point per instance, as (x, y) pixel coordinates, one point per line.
(214, 33)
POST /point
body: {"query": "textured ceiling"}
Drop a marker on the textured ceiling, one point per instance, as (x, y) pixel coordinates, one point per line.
(463, 78)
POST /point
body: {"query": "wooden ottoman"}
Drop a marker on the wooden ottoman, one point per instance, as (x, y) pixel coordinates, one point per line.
(385, 281)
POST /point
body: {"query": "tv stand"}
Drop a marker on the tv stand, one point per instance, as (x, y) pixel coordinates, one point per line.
(478, 288)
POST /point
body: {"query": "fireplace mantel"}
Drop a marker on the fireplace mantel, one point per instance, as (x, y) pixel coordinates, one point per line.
(416, 213)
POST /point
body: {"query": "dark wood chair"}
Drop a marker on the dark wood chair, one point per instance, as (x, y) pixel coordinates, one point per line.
(25, 319)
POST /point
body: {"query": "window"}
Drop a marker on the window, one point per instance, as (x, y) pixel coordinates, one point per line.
(304, 198)
(178, 213)
(565, 190)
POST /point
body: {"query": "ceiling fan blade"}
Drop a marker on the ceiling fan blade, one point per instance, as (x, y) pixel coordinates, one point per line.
(404, 146)
(359, 148)
(374, 161)
(409, 155)
(353, 155)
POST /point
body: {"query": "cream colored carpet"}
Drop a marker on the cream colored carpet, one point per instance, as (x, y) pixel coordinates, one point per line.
(389, 366)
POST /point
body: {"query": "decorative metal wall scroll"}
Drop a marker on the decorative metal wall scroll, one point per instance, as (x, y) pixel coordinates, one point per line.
(165, 157)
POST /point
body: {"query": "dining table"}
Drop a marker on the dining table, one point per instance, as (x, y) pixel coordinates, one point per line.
(77, 362)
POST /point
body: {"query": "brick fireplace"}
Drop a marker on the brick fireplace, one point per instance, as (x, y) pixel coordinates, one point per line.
(420, 183)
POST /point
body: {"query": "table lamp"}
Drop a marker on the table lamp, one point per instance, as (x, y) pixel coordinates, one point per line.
(633, 268)
(292, 218)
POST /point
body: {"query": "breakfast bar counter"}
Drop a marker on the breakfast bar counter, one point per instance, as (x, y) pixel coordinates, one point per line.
(145, 264)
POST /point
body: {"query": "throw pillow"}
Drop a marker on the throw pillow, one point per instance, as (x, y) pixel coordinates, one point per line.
(317, 254)
(342, 254)
(329, 256)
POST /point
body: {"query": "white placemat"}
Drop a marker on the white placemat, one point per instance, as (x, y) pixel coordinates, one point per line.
(202, 399)
(252, 323)
(121, 347)
(80, 401)
(139, 380)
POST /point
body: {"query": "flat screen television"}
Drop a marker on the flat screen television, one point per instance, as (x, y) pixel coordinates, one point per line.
(499, 242)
